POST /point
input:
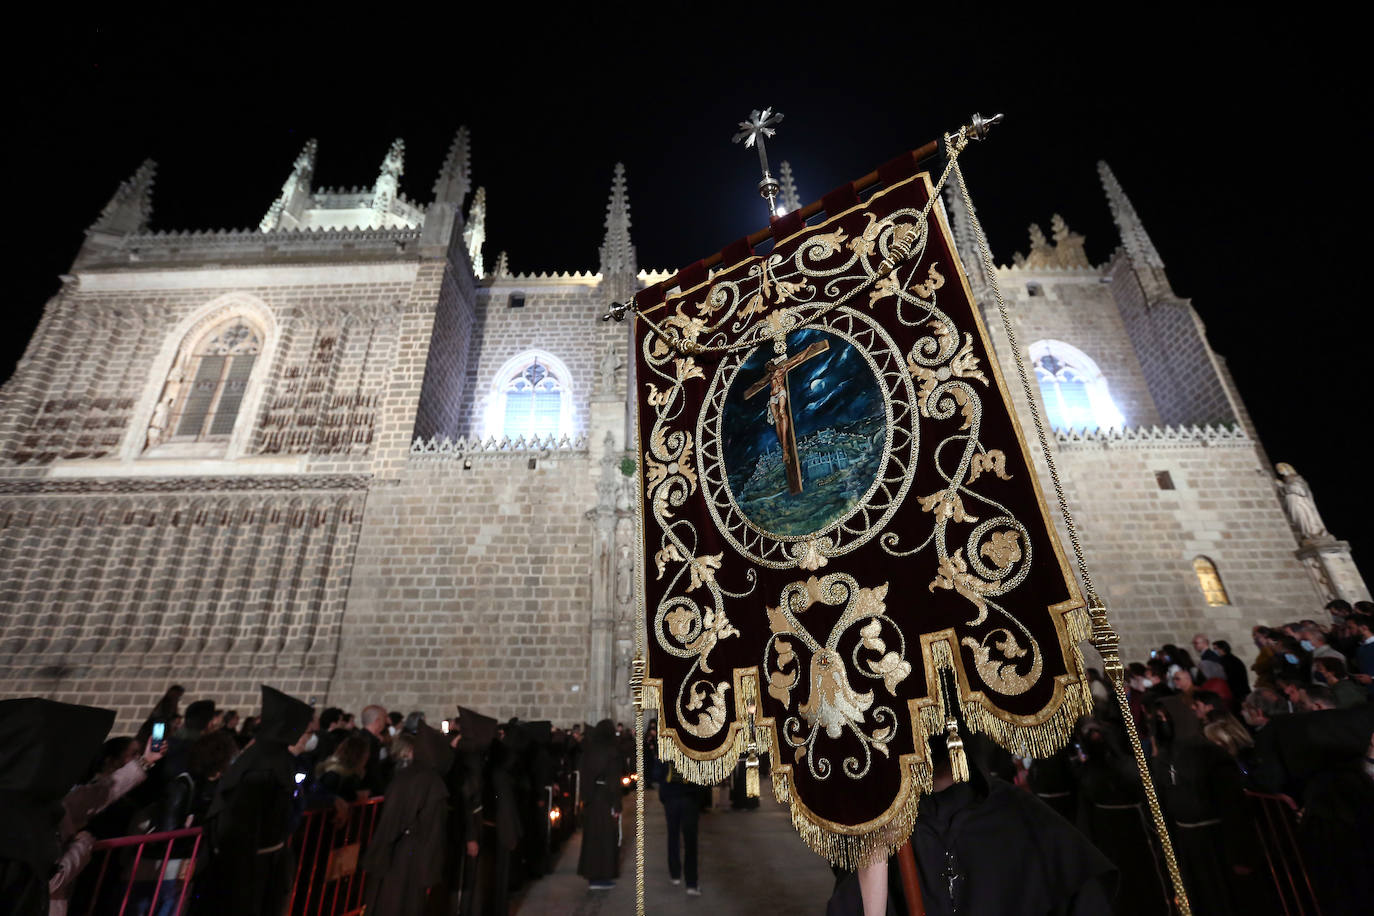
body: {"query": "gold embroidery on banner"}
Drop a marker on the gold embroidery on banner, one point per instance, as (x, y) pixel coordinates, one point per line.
(833, 706)
(939, 375)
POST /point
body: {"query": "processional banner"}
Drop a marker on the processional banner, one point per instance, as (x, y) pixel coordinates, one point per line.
(845, 546)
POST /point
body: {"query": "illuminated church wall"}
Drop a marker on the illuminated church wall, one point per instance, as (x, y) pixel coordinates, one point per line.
(364, 533)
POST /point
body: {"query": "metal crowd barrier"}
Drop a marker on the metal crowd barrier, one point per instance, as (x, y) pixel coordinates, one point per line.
(155, 883)
(1275, 818)
(328, 880)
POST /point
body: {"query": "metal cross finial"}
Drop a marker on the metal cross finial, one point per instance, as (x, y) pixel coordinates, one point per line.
(752, 131)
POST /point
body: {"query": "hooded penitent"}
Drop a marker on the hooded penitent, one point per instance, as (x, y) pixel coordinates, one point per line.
(601, 770)
(254, 813)
(406, 854)
(45, 748)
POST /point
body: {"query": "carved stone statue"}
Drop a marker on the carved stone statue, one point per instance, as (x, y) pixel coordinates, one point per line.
(157, 426)
(607, 369)
(1299, 504)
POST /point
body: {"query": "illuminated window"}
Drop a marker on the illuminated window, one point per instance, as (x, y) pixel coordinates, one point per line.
(530, 397)
(1073, 388)
(214, 382)
(1210, 582)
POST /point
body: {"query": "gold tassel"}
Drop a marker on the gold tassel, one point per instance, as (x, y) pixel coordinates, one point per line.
(751, 776)
(958, 762)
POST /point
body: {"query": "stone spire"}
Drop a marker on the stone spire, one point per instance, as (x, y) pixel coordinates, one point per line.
(295, 192)
(502, 265)
(1148, 264)
(475, 232)
(388, 182)
(131, 207)
(618, 265)
(455, 175)
(965, 239)
(790, 199)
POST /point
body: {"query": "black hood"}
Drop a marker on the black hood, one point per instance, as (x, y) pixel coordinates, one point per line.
(284, 718)
(47, 747)
(479, 731)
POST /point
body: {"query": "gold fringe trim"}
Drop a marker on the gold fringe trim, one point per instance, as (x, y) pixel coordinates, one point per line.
(703, 772)
(850, 850)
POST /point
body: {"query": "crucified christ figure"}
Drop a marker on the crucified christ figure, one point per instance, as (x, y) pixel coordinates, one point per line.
(780, 409)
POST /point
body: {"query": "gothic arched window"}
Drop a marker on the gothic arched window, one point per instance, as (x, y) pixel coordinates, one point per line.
(213, 382)
(1073, 388)
(1209, 580)
(530, 397)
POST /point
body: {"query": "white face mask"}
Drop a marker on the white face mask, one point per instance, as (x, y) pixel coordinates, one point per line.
(391, 730)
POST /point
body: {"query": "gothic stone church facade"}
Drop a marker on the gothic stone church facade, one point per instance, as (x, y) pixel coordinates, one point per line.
(348, 455)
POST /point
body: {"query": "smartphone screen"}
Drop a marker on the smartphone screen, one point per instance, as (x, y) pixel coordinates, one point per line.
(444, 726)
(159, 731)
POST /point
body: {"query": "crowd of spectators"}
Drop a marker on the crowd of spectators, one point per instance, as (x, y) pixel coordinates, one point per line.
(1297, 722)
(471, 809)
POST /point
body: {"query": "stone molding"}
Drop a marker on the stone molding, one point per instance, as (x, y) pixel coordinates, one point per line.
(119, 485)
(520, 447)
(1154, 437)
(201, 245)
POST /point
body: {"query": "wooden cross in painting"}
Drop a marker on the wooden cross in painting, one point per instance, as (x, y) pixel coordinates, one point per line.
(780, 408)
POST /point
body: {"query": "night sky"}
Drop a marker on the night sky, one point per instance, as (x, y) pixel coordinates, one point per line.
(1241, 142)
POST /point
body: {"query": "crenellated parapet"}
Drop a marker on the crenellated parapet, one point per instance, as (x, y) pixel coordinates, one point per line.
(492, 447)
(1155, 437)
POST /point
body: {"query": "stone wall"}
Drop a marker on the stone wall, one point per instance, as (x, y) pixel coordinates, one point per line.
(560, 317)
(1076, 308)
(1178, 363)
(115, 589)
(472, 585)
(1141, 540)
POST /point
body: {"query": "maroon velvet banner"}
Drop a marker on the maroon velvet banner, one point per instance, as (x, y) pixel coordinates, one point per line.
(837, 506)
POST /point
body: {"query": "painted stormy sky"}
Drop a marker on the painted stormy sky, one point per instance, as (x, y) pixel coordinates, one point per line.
(829, 390)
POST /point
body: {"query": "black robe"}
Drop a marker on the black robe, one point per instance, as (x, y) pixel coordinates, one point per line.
(405, 858)
(1001, 852)
(1201, 791)
(602, 767)
(45, 749)
(250, 866)
(501, 830)
(1113, 814)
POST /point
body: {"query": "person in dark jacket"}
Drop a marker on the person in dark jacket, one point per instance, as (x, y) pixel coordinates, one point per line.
(602, 768)
(185, 801)
(682, 810)
(45, 749)
(405, 859)
(254, 813)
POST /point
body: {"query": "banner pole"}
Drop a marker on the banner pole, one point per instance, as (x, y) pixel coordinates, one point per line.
(1104, 637)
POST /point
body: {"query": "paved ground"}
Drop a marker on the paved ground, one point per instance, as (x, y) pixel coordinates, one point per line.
(750, 862)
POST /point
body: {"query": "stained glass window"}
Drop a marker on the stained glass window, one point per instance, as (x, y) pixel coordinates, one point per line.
(1209, 580)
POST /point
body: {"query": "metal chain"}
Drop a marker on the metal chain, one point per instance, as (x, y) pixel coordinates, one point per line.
(1104, 637)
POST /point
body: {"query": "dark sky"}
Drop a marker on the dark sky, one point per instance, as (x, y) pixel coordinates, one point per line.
(1236, 137)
